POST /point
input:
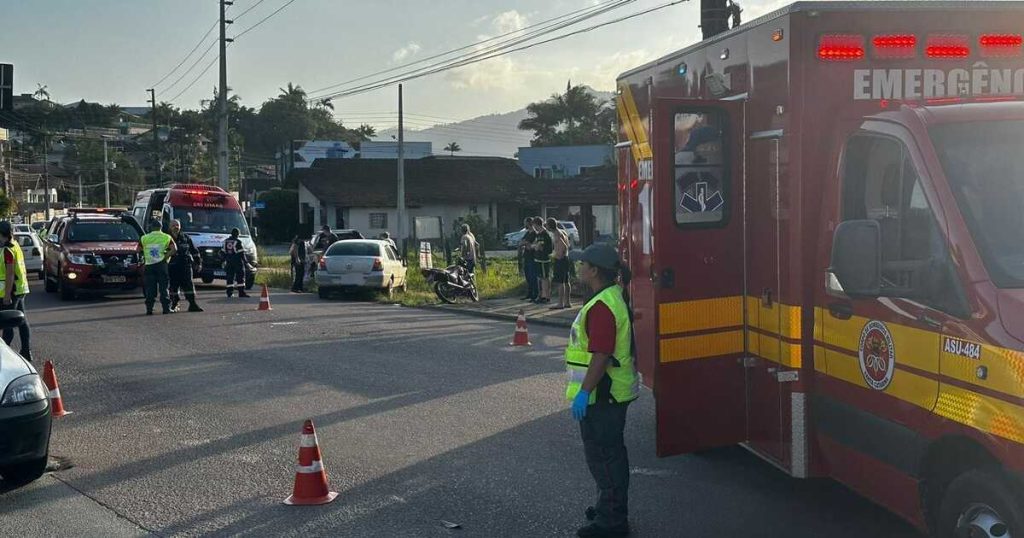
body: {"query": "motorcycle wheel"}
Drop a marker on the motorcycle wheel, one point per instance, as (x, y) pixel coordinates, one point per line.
(445, 292)
(474, 293)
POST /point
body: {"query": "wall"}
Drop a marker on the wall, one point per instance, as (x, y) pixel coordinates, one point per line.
(564, 160)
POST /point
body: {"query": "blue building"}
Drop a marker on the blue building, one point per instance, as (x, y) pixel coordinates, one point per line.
(557, 162)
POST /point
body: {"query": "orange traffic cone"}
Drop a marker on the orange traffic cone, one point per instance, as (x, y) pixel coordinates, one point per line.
(50, 378)
(521, 337)
(264, 300)
(310, 476)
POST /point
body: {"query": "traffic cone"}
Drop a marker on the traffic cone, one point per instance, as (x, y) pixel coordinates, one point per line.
(50, 378)
(521, 337)
(310, 476)
(264, 300)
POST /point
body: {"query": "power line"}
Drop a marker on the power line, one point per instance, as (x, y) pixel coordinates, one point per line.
(472, 45)
(252, 7)
(193, 83)
(187, 56)
(487, 56)
(191, 67)
(263, 20)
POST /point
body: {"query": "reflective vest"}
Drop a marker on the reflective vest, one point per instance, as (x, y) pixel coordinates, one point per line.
(154, 246)
(625, 382)
(20, 274)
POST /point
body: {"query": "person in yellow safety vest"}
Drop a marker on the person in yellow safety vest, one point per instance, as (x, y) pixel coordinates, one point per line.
(157, 247)
(14, 288)
(602, 381)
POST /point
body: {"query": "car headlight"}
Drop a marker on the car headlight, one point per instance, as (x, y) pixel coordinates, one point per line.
(23, 390)
(78, 259)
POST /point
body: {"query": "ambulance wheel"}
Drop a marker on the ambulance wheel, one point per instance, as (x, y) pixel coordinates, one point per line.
(981, 504)
(206, 279)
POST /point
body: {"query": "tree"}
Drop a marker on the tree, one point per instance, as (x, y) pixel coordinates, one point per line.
(573, 118)
(8, 206)
(452, 147)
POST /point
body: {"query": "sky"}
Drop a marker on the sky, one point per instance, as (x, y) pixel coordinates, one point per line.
(112, 51)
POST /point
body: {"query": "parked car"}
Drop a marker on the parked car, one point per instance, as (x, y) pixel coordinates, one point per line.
(570, 228)
(32, 248)
(353, 264)
(313, 254)
(92, 251)
(25, 228)
(38, 225)
(24, 413)
(512, 239)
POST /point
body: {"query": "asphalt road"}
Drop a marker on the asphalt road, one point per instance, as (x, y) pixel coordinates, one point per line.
(188, 424)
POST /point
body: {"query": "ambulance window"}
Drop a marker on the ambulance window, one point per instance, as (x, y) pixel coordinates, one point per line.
(700, 175)
(880, 183)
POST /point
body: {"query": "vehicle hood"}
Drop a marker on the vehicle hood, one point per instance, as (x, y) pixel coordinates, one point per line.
(204, 240)
(1011, 311)
(12, 366)
(102, 247)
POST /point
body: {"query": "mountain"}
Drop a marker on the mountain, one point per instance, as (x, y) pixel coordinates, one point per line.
(493, 134)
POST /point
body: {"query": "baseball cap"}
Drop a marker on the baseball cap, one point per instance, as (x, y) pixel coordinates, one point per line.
(603, 256)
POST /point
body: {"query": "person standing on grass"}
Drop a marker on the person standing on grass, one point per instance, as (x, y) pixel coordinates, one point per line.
(469, 247)
(297, 255)
(562, 267)
(544, 245)
(14, 279)
(529, 264)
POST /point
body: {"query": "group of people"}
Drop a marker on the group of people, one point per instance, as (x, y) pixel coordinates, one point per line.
(172, 260)
(544, 251)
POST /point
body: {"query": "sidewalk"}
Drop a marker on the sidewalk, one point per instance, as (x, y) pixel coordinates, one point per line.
(509, 309)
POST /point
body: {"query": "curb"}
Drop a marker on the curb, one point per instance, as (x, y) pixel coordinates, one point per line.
(494, 315)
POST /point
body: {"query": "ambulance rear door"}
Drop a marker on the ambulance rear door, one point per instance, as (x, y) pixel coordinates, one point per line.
(700, 385)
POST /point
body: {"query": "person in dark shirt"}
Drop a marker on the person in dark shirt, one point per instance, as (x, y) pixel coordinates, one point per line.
(297, 253)
(529, 264)
(325, 238)
(235, 263)
(180, 268)
(543, 247)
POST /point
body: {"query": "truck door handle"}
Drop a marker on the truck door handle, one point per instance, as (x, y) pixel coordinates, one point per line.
(841, 310)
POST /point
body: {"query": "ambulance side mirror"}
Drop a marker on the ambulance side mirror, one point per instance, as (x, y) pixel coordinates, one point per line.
(856, 266)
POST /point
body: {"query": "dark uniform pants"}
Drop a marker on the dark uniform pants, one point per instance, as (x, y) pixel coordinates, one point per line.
(23, 330)
(300, 275)
(603, 443)
(181, 280)
(235, 273)
(155, 280)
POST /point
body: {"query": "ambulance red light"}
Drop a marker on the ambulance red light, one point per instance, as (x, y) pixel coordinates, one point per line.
(841, 48)
(1000, 45)
(892, 46)
(947, 47)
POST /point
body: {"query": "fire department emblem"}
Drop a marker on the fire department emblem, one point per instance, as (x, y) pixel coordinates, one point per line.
(877, 355)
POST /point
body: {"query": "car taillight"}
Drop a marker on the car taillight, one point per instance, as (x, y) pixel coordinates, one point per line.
(947, 47)
(378, 264)
(841, 48)
(323, 263)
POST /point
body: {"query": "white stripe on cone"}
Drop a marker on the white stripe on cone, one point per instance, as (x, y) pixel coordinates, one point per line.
(315, 467)
(54, 394)
(308, 441)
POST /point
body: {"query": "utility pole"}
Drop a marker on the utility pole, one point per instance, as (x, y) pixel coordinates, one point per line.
(46, 176)
(79, 189)
(156, 141)
(106, 175)
(222, 97)
(401, 174)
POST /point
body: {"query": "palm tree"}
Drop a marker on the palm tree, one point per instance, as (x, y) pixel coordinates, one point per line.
(366, 132)
(452, 147)
(326, 103)
(293, 94)
(41, 93)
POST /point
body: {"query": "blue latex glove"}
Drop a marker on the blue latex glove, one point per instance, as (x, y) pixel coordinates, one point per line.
(579, 404)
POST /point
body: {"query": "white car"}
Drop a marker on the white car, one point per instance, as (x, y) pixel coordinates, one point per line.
(32, 249)
(23, 228)
(570, 228)
(353, 264)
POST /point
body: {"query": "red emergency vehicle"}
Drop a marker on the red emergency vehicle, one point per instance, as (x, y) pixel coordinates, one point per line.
(823, 213)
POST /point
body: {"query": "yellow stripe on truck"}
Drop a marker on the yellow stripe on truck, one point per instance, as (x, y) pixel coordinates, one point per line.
(701, 346)
(634, 125)
(984, 413)
(701, 315)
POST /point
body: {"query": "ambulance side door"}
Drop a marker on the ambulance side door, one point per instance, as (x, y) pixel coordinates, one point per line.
(700, 384)
(881, 322)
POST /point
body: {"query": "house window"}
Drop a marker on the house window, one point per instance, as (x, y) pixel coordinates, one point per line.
(379, 221)
(543, 173)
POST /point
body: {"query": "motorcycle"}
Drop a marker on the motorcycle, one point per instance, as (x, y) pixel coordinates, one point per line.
(453, 282)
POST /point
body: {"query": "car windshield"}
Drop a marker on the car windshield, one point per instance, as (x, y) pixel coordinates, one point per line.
(210, 221)
(354, 248)
(83, 231)
(985, 168)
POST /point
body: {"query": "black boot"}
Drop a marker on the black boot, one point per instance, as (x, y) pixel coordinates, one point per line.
(193, 307)
(594, 530)
(242, 294)
(26, 354)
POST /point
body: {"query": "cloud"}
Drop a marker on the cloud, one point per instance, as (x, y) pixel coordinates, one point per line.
(408, 51)
(509, 21)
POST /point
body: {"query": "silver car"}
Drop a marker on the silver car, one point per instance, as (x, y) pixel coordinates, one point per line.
(352, 264)
(24, 413)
